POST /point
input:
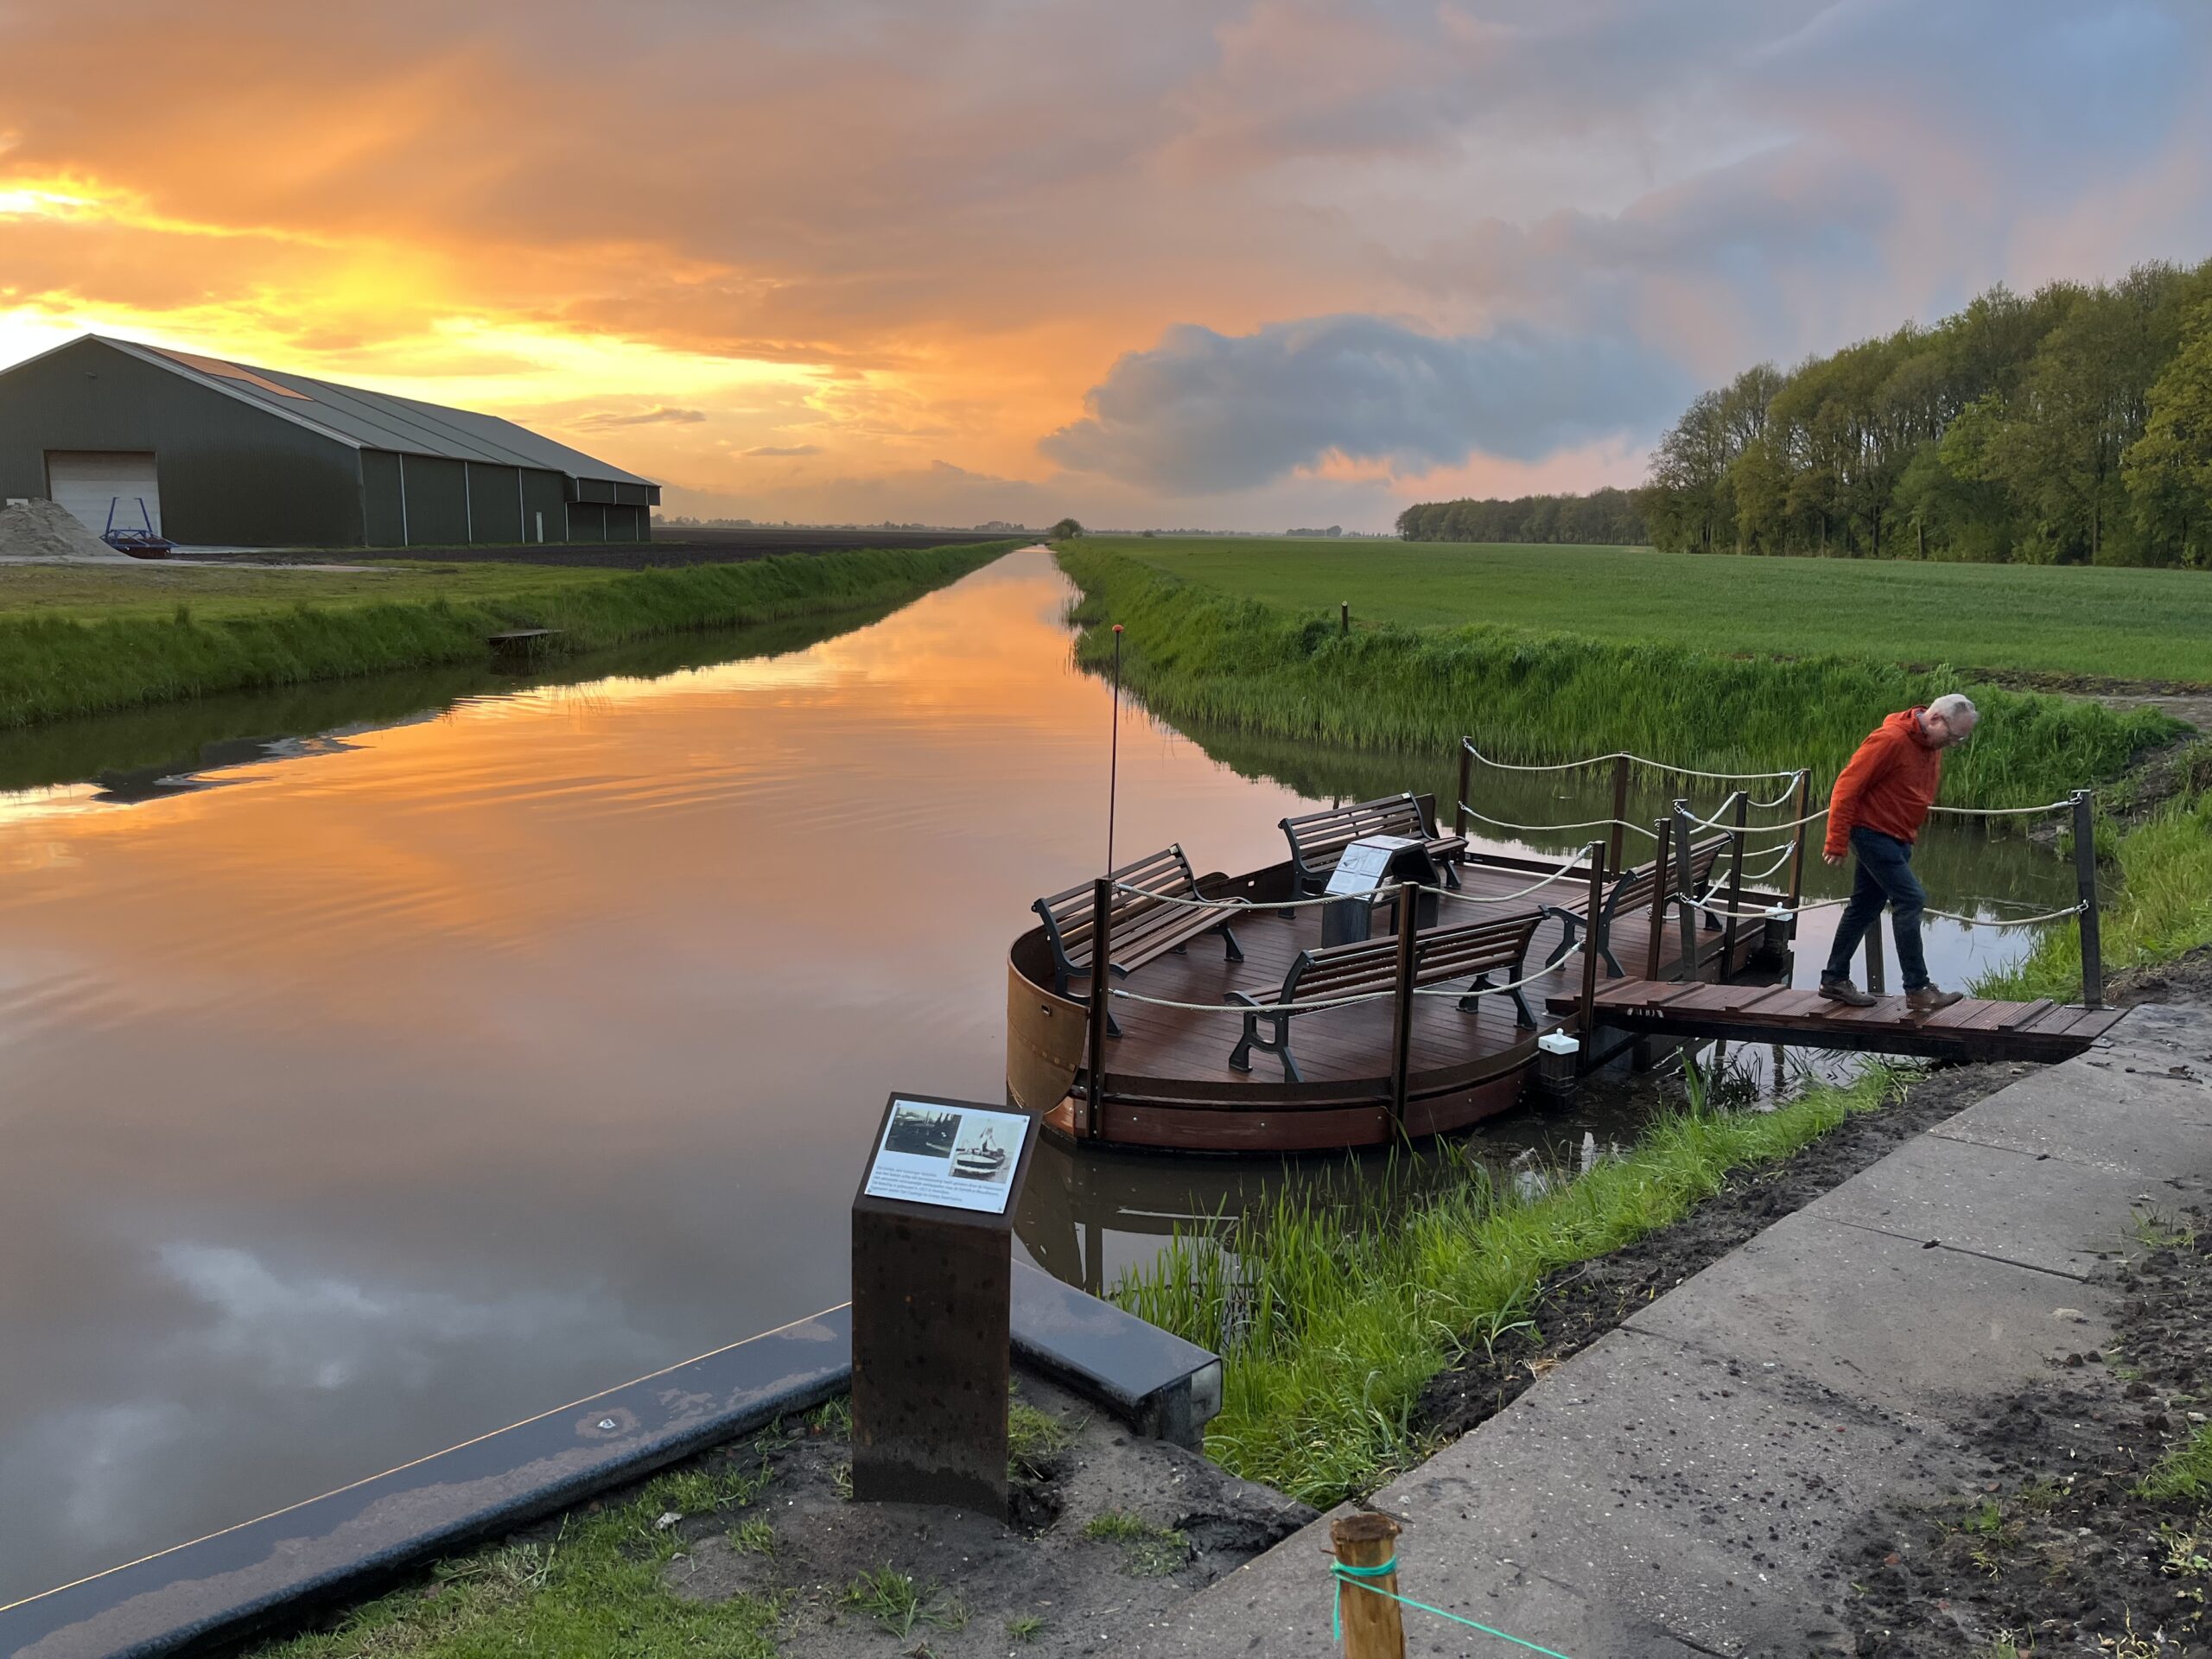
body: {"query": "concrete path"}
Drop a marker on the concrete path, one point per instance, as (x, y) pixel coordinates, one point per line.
(1681, 1486)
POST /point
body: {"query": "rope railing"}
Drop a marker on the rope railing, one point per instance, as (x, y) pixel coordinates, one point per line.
(1785, 910)
(1662, 766)
(1586, 823)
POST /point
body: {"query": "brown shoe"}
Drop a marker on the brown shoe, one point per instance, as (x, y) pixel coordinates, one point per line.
(1842, 990)
(1928, 999)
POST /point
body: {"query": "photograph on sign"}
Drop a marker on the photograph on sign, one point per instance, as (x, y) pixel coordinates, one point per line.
(961, 1157)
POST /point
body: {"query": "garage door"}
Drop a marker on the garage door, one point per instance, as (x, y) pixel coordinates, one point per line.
(89, 482)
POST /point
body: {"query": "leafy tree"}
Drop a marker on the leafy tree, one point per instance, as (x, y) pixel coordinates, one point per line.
(2169, 470)
(1065, 529)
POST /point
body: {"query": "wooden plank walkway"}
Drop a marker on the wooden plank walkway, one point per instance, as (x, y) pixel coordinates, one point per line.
(1971, 1029)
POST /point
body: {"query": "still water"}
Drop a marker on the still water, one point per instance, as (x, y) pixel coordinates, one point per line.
(363, 1092)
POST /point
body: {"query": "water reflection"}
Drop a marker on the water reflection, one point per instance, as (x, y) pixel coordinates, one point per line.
(480, 1044)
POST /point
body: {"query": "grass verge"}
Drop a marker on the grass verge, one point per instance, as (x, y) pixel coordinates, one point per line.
(596, 1588)
(98, 654)
(2159, 908)
(1194, 653)
(2071, 620)
(1331, 1316)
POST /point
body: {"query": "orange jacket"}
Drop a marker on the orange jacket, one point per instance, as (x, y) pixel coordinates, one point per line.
(1889, 785)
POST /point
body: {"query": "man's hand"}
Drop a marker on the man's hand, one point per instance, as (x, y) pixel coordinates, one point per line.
(1832, 858)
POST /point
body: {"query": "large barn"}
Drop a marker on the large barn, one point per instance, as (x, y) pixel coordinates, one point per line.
(213, 453)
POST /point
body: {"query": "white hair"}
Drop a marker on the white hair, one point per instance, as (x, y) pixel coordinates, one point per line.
(1957, 711)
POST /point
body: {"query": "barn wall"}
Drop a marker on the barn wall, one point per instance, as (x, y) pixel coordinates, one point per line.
(230, 475)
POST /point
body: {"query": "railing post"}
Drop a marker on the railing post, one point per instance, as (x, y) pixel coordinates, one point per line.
(1805, 810)
(1589, 1032)
(2084, 886)
(1102, 957)
(1686, 932)
(1735, 887)
(1459, 807)
(1656, 932)
(1878, 976)
(1343, 617)
(1401, 1027)
(1613, 848)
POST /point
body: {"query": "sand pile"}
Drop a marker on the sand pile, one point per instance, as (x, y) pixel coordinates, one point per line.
(47, 529)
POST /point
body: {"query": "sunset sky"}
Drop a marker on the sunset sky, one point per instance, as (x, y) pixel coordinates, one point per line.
(1150, 262)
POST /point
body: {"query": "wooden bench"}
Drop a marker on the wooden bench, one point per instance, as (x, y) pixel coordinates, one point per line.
(1318, 840)
(1142, 924)
(1633, 892)
(1371, 965)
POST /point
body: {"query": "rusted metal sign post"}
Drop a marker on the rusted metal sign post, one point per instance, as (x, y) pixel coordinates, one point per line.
(932, 1284)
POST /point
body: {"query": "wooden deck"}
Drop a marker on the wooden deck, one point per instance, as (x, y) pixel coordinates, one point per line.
(1972, 1029)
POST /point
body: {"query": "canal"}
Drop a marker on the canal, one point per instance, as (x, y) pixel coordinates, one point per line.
(381, 1064)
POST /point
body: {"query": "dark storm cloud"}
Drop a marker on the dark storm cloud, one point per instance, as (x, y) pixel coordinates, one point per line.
(1202, 412)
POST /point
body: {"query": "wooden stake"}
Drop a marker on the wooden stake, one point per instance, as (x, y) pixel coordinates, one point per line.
(1373, 1629)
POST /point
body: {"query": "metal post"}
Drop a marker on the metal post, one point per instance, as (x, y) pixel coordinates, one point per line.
(1401, 1033)
(1102, 927)
(1373, 1627)
(1589, 1032)
(1686, 932)
(2084, 886)
(1620, 811)
(1735, 887)
(1877, 976)
(1656, 931)
(1459, 811)
(1344, 619)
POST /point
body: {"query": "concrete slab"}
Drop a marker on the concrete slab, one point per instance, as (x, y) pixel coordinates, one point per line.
(1641, 1500)
(2037, 1212)
(1885, 1321)
(2144, 1124)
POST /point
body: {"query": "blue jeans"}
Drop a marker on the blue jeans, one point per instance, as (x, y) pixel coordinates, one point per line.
(1884, 877)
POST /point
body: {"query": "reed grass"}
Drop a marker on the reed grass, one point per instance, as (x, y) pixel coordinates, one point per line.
(81, 660)
(1332, 1309)
(1194, 653)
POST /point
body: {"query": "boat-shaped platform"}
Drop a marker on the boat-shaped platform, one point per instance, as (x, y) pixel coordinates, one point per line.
(1167, 1082)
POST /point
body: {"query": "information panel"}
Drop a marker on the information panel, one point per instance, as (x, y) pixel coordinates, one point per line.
(1366, 862)
(961, 1157)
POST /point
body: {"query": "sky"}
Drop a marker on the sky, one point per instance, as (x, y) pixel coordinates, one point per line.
(1245, 264)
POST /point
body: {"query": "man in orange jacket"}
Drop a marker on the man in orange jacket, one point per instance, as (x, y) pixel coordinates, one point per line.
(1876, 811)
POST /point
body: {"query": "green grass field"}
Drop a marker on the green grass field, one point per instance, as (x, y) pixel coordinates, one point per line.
(83, 642)
(2126, 625)
(95, 593)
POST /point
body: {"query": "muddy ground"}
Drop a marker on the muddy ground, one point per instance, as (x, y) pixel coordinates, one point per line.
(1575, 1308)
(2057, 1553)
(1110, 1531)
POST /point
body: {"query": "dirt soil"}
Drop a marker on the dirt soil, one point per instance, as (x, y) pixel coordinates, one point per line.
(2187, 978)
(2057, 1554)
(1575, 1308)
(1179, 1523)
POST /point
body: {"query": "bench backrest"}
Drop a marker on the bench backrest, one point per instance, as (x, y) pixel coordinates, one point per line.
(1068, 915)
(1445, 954)
(1318, 840)
(1633, 891)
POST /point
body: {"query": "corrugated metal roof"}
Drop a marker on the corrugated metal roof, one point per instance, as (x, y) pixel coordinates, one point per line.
(379, 420)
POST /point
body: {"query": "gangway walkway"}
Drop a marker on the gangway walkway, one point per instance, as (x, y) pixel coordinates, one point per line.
(1972, 1029)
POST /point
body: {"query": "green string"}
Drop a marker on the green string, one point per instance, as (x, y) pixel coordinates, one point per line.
(1362, 1576)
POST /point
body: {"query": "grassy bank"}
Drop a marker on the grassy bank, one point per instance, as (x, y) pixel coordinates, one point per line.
(1331, 1318)
(2154, 899)
(2127, 625)
(86, 642)
(1197, 653)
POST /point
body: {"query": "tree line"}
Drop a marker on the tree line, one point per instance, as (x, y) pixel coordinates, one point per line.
(1602, 517)
(2073, 425)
